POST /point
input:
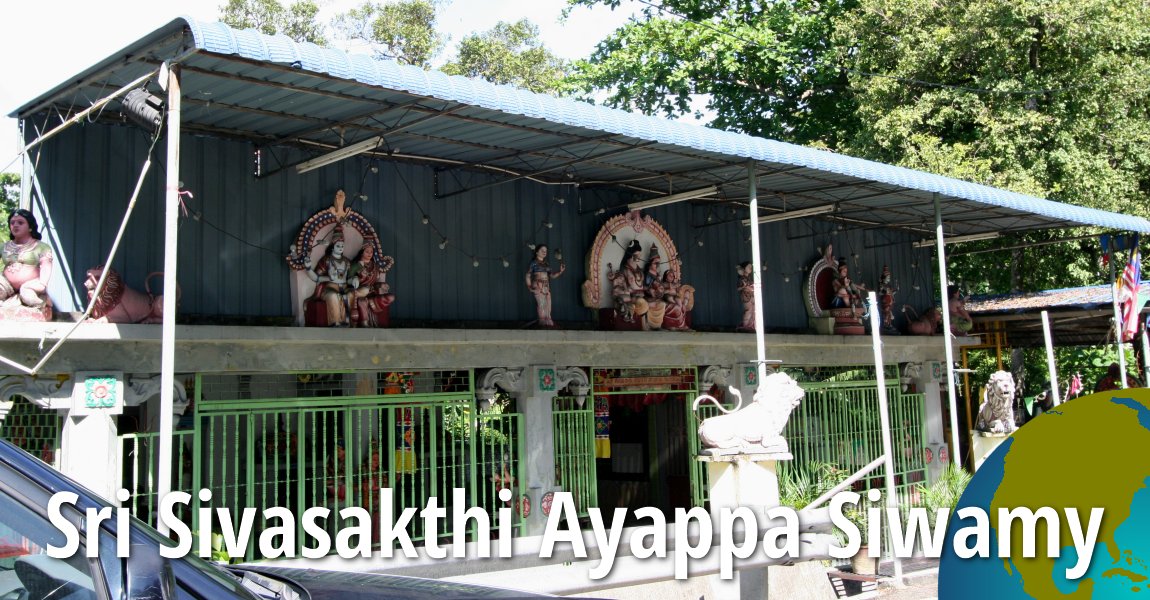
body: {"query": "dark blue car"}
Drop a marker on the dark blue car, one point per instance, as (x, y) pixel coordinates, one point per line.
(27, 572)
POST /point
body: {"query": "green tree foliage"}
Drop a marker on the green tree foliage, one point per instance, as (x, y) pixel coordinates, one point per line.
(9, 195)
(509, 53)
(297, 21)
(763, 68)
(401, 29)
(1044, 97)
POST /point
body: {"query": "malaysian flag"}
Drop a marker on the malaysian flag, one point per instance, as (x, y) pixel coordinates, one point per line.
(1075, 387)
(1129, 301)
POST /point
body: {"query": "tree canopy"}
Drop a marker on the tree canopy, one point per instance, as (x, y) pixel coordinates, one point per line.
(400, 29)
(509, 53)
(297, 21)
(1044, 97)
(406, 31)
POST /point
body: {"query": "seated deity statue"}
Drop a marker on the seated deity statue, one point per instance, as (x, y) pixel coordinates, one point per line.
(28, 264)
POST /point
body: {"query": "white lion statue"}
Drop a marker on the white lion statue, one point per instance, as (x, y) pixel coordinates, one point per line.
(755, 428)
(996, 413)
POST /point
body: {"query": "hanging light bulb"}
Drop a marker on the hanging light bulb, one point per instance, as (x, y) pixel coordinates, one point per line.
(547, 224)
(699, 242)
(558, 255)
(787, 278)
(443, 244)
(505, 262)
(601, 211)
(363, 197)
(374, 168)
(426, 219)
(531, 246)
(475, 262)
(559, 199)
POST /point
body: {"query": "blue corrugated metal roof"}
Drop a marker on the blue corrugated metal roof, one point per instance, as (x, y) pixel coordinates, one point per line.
(221, 39)
(695, 148)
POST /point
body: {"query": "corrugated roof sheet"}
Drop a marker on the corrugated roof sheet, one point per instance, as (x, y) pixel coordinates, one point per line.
(660, 145)
(1093, 296)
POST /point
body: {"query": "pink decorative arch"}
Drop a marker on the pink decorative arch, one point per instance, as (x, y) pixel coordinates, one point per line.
(608, 249)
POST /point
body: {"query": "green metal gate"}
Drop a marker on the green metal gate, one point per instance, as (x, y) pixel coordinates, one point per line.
(333, 440)
(838, 422)
(574, 449)
(34, 429)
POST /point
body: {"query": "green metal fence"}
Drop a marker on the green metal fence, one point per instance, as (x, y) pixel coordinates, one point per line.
(34, 429)
(838, 422)
(139, 458)
(574, 450)
(333, 440)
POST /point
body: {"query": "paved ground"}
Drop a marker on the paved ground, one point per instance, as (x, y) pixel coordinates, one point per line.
(920, 579)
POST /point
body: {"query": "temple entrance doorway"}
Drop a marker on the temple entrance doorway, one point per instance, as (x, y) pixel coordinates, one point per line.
(642, 437)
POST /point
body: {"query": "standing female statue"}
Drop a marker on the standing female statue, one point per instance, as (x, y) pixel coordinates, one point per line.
(746, 289)
(538, 280)
(27, 263)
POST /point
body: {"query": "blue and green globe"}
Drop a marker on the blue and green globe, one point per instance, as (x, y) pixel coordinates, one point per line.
(1093, 451)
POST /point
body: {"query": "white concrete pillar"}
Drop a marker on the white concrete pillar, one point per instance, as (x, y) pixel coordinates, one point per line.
(928, 384)
(90, 453)
(749, 480)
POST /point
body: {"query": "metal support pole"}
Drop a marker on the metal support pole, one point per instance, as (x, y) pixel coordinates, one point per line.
(756, 262)
(1053, 372)
(951, 392)
(168, 332)
(884, 420)
(1145, 357)
(1117, 321)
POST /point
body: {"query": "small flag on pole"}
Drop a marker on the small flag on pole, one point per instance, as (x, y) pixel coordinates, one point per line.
(1075, 385)
(1130, 301)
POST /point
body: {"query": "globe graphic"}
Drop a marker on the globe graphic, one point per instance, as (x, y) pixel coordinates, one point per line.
(1093, 451)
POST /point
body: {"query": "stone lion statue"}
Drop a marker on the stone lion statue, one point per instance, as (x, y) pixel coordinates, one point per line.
(996, 414)
(755, 428)
(118, 303)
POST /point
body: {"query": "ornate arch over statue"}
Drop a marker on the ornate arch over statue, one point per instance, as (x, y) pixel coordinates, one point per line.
(339, 271)
(826, 282)
(633, 277)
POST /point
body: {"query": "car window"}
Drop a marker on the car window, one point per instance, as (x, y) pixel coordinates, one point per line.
(26, 570)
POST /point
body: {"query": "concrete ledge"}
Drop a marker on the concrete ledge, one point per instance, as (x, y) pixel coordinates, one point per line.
(214, 348)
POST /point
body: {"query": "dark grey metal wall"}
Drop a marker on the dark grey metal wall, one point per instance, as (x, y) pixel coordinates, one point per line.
(239, 227)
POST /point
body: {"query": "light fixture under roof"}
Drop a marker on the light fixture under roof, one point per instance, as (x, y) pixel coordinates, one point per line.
(673, 198)
(974, 237)
(339, 154)
(793, 214)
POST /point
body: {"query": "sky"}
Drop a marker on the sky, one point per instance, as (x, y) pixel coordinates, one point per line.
(43, 42)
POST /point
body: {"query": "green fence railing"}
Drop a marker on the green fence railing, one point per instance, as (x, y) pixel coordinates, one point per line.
(573, 428)
(140, 453)
(838, 423)
(34, 429)
(333, 440)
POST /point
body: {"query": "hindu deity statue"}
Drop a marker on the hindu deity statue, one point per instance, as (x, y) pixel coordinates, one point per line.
(331, 275)
(371, 294)
(28, 266)
(886, 291)
(678, 300)
(960, 320)
(746, 289)
(539, 276)
(847, 293)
